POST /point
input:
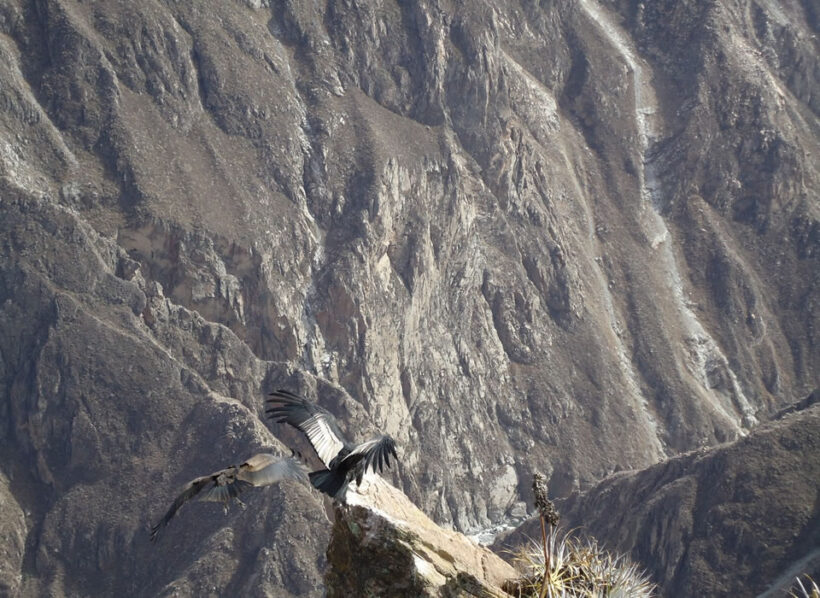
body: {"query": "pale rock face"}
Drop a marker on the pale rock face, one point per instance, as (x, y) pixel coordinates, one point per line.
(572, 237)
(383, 545)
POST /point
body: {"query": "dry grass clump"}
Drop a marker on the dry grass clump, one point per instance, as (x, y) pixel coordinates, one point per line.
(565, 567)
(577, 569)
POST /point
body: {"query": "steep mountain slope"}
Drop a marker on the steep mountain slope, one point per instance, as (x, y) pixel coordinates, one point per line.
(567, 236)
(739, 519)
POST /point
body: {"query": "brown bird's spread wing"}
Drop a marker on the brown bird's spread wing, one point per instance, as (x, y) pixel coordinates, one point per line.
(263, 469)
(220, 485)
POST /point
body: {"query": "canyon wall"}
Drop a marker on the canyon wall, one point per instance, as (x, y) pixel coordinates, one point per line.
(571, 237)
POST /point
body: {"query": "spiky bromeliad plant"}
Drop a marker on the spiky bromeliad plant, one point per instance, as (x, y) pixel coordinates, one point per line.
(577, 569)
(566, 567)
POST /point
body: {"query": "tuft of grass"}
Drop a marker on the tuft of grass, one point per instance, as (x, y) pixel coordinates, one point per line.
(577, 569)
(809, 590)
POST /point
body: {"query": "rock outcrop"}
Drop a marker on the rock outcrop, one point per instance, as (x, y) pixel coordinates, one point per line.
(383, 545)
(740, 519)
(569, 236)
(13, 532)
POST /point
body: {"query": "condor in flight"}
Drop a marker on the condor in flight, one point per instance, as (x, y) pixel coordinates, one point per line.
(344, 461)
(263, 469)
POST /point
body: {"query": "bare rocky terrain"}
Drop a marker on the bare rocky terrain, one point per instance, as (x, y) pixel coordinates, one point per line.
(575, 237)
(739, 519)
(382, 545)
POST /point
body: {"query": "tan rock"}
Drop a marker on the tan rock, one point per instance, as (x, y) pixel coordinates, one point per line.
(383, 545)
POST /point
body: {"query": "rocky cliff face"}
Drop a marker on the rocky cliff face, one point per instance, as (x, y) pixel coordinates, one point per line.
(567, 236)
(740, 519)
(383, 545)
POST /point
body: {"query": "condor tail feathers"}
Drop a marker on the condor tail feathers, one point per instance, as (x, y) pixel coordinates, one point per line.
(329, 481)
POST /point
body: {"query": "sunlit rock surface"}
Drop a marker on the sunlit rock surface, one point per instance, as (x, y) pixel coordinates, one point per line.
(383, 545)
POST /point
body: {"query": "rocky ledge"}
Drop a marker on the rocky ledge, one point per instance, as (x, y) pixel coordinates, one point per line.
(383, 545)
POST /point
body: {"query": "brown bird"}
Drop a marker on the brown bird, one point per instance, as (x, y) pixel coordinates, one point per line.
(344, 460)
(263, 469)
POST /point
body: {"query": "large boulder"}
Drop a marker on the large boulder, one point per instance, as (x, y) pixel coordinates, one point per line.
(383, 545)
